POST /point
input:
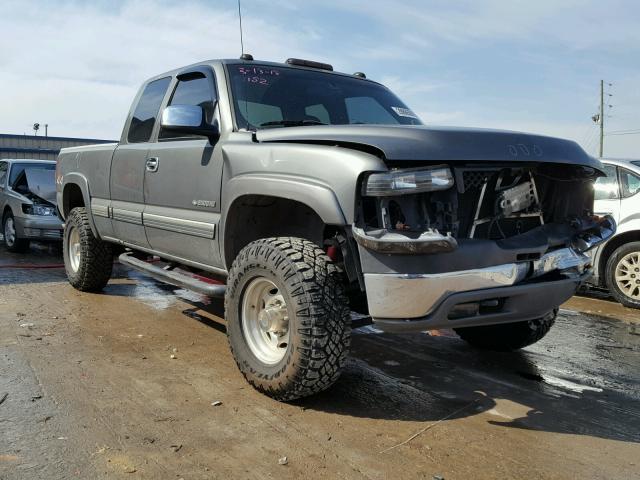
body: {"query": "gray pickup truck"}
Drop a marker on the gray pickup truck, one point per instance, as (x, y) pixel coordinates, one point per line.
(302, 195)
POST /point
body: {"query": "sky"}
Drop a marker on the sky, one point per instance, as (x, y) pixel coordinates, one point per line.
(532, 66)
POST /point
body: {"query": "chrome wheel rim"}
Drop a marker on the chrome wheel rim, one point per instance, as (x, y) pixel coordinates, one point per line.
(9, 231)
(627, 275)
(265, 320)
(74, 249)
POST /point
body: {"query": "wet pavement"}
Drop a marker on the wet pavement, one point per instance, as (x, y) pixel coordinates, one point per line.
(90, 391)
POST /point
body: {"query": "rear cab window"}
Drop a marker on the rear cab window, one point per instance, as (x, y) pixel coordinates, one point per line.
(146, 111)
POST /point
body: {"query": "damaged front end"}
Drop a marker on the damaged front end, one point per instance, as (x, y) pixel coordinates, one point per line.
(467, 244)
(38, 186)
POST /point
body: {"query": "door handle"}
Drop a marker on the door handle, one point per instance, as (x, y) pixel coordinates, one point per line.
(152, 164)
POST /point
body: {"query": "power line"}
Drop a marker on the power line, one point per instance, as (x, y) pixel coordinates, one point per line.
(628, 133)
(624, 131)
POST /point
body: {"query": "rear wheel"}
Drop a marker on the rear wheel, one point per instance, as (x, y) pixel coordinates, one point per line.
(11, 239)
(508, 336)
(623, 274)
(288, 320)
(87, 260)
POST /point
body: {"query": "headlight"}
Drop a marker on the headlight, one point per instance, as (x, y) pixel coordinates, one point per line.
(42, 210)
(407, 181)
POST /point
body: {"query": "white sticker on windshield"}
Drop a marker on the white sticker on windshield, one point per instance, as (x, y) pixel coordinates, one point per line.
(404, 112)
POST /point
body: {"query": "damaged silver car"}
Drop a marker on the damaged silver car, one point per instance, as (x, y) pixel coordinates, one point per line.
(28, 201)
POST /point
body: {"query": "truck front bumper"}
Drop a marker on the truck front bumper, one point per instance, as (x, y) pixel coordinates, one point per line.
(484, 296)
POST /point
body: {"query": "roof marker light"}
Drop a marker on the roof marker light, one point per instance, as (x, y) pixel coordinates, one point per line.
(309, 63)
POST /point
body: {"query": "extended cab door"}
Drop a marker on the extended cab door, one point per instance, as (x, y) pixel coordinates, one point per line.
(129, 162)
(182, 187)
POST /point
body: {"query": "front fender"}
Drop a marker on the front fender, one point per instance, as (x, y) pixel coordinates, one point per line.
(629, 223)
(315, 195)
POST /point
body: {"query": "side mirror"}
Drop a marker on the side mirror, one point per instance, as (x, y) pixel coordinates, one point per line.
(189, 119)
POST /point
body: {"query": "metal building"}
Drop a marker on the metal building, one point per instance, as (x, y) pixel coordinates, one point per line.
(39, 147)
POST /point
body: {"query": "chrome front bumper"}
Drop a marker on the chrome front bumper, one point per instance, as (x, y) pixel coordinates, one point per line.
(400, 298)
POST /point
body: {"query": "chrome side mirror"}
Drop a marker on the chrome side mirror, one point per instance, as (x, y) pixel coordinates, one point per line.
(189, 119)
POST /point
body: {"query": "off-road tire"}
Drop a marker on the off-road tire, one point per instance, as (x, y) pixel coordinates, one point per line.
(508, 336)
(319, 317)
(19, 245)
(96, 257)
(610, 270)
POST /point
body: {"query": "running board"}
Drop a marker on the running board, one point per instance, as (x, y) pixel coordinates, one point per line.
(171, 277)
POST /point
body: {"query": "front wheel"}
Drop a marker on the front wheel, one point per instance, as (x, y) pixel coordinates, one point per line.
(11, 240)
(508, 336)
(88, 260)
(288, 321)
(623, 274)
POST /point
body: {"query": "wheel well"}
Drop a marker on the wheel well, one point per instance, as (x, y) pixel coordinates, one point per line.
(611, 246)
(71, 198)
(4, 213)
(251, 217)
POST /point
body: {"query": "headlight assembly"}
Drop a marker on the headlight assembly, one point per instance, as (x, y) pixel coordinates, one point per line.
(40, 210)
(408, 181)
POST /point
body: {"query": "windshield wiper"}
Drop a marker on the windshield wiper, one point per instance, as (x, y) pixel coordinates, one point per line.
(291, 123)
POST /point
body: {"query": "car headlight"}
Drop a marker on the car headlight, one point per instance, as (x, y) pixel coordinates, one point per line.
(41, 210)
(408, 181)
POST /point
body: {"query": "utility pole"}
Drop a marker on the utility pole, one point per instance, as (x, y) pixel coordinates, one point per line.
(601, 118)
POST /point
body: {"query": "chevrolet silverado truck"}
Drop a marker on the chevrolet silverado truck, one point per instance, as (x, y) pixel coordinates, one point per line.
(301, 195)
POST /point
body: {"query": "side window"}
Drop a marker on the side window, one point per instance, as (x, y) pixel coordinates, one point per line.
(3, 173)
(630, 183)
(367, 110)
(194, 90)
(144, 116)
(606, 188)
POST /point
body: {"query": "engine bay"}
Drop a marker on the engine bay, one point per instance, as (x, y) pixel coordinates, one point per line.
(491, 202)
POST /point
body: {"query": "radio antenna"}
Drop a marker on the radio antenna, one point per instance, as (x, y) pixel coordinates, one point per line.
(240, 19)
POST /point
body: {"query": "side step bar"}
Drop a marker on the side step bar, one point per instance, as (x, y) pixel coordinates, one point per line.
(171, 277)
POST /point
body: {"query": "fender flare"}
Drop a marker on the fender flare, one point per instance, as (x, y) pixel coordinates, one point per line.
(315, 195)
(81, 182)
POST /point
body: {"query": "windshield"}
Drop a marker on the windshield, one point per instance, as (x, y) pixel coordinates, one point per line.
(269, 97)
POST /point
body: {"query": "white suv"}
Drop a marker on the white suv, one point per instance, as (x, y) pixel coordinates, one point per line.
(617, 262)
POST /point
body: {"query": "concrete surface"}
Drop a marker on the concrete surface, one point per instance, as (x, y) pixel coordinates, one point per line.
(90, 392)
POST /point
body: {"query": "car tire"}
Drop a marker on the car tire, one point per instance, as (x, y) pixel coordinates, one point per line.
(508, 336)
(88, 261)
(11, 240)
(622, 274)
(275, 282)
